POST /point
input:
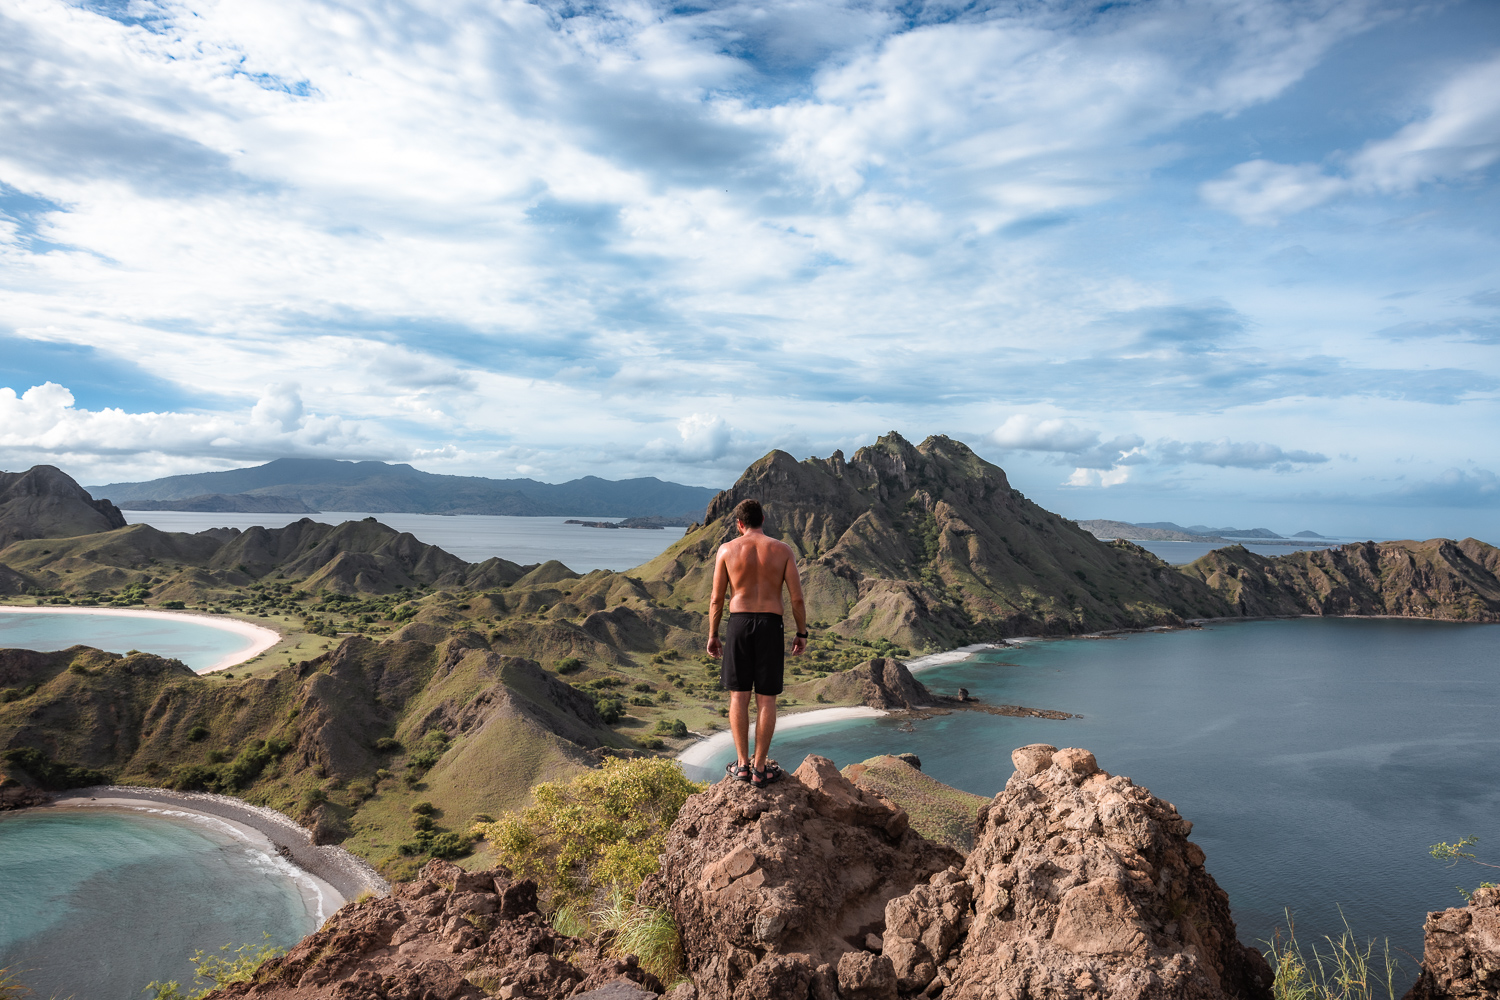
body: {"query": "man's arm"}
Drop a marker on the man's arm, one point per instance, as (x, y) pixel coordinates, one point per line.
(716, 604)
(799, 607)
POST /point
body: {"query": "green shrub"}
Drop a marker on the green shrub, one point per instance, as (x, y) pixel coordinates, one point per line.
(611, 710)
(174, 605)
(601, 830)
(388, 745)
(424, 808)
(569, 665)
(197, 734)
(52, 774)
(215, 972)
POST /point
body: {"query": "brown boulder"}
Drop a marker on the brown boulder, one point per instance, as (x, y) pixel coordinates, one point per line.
(882, 683)
(1079, 883)
(1461, 952)
(448, 935)
(777, 890)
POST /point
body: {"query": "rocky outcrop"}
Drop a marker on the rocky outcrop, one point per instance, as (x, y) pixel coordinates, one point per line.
(45, 502)
(15, 795)
(1080, 883)
(882, 683)
(779, 891)
(449, 935)
(1461, 953)
(938, 812)
(1437, 578)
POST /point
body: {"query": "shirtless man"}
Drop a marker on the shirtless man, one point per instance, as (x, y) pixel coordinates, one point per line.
(754, 566)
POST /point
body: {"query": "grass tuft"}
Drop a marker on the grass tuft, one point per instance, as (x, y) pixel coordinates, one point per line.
(647, 932)
(1345, 972)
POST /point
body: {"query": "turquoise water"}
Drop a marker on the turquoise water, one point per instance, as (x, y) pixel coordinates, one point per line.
(194, 642)
(1317, 758)
(97, 903)
(474, 537)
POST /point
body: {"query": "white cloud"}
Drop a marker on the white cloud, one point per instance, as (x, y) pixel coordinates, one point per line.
(702, 438)
(43, 424)
(1261, 191)
(1031, 433)
(1225, 453)
(1459, 137)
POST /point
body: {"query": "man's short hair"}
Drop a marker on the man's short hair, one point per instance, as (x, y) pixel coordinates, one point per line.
(749, 512)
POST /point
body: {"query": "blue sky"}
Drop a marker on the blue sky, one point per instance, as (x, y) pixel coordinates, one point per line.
(1225, 262)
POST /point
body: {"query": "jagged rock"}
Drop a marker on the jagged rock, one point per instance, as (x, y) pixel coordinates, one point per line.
(1079, 883)
(448, 935)
(1461, 953)
(775, 889)
(882, 683)
(15, 795)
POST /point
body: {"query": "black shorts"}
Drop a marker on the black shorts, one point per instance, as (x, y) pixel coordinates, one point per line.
(754, 652)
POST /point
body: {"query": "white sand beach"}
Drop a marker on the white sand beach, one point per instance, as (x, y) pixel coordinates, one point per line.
(259, 638)
(327, 876)
(701, 752)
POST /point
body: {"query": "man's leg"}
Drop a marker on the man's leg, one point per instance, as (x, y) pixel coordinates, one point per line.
(739, 723)
(765, 727)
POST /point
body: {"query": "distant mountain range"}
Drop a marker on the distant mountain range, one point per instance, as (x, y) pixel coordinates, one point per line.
(302, 485)
(1167, 531)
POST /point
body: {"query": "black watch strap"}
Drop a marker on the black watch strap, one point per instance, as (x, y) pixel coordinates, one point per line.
(802, 635)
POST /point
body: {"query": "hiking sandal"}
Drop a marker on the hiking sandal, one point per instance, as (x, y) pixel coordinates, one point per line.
(761, 779)
(738, 771)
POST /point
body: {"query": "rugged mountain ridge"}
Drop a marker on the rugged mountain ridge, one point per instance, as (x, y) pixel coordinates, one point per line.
(1437, 578)
(220, 503)
(329, 484)
(929, 545)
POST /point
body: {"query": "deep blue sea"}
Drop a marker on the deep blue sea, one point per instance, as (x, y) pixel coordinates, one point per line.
(1317, 758)
(95, 904)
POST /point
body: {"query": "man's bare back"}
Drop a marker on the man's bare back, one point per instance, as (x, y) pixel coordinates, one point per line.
(754, 567)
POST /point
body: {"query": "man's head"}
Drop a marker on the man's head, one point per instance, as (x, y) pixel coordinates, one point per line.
(749, 513)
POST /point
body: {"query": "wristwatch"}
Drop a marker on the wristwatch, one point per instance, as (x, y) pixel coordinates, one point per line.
(802, 635)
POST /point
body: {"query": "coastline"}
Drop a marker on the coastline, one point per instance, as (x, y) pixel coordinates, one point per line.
(699, 753)
(261, 638)
(328, 876)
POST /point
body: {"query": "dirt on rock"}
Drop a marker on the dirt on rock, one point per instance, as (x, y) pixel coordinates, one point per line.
(448, 935)
(1080, 884)
(778, 891)
(1461, 952)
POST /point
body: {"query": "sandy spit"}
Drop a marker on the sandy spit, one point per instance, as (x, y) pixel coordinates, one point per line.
(329, 875)
(701, 752)
(260, 637)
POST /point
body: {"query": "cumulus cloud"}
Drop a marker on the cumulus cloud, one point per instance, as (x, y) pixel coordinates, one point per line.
(701, 438)
(1459, 137)
(44, 424)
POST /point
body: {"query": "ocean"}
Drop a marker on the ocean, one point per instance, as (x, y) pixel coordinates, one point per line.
(473, 537)
(1318, 759)
(96, 903)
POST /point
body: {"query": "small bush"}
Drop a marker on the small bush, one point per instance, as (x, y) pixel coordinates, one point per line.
(424, 808)
(603, 829)
(611, 710)
(197, 734)
(569, 665)
(214, 972)
(388, 745)
(52, 774)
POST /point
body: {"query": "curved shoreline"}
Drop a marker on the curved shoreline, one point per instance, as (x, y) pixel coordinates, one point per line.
(260, 637)
(699, 753)
(337, 875)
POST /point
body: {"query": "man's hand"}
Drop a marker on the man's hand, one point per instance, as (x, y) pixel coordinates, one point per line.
(799, 645)
(714, 646)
